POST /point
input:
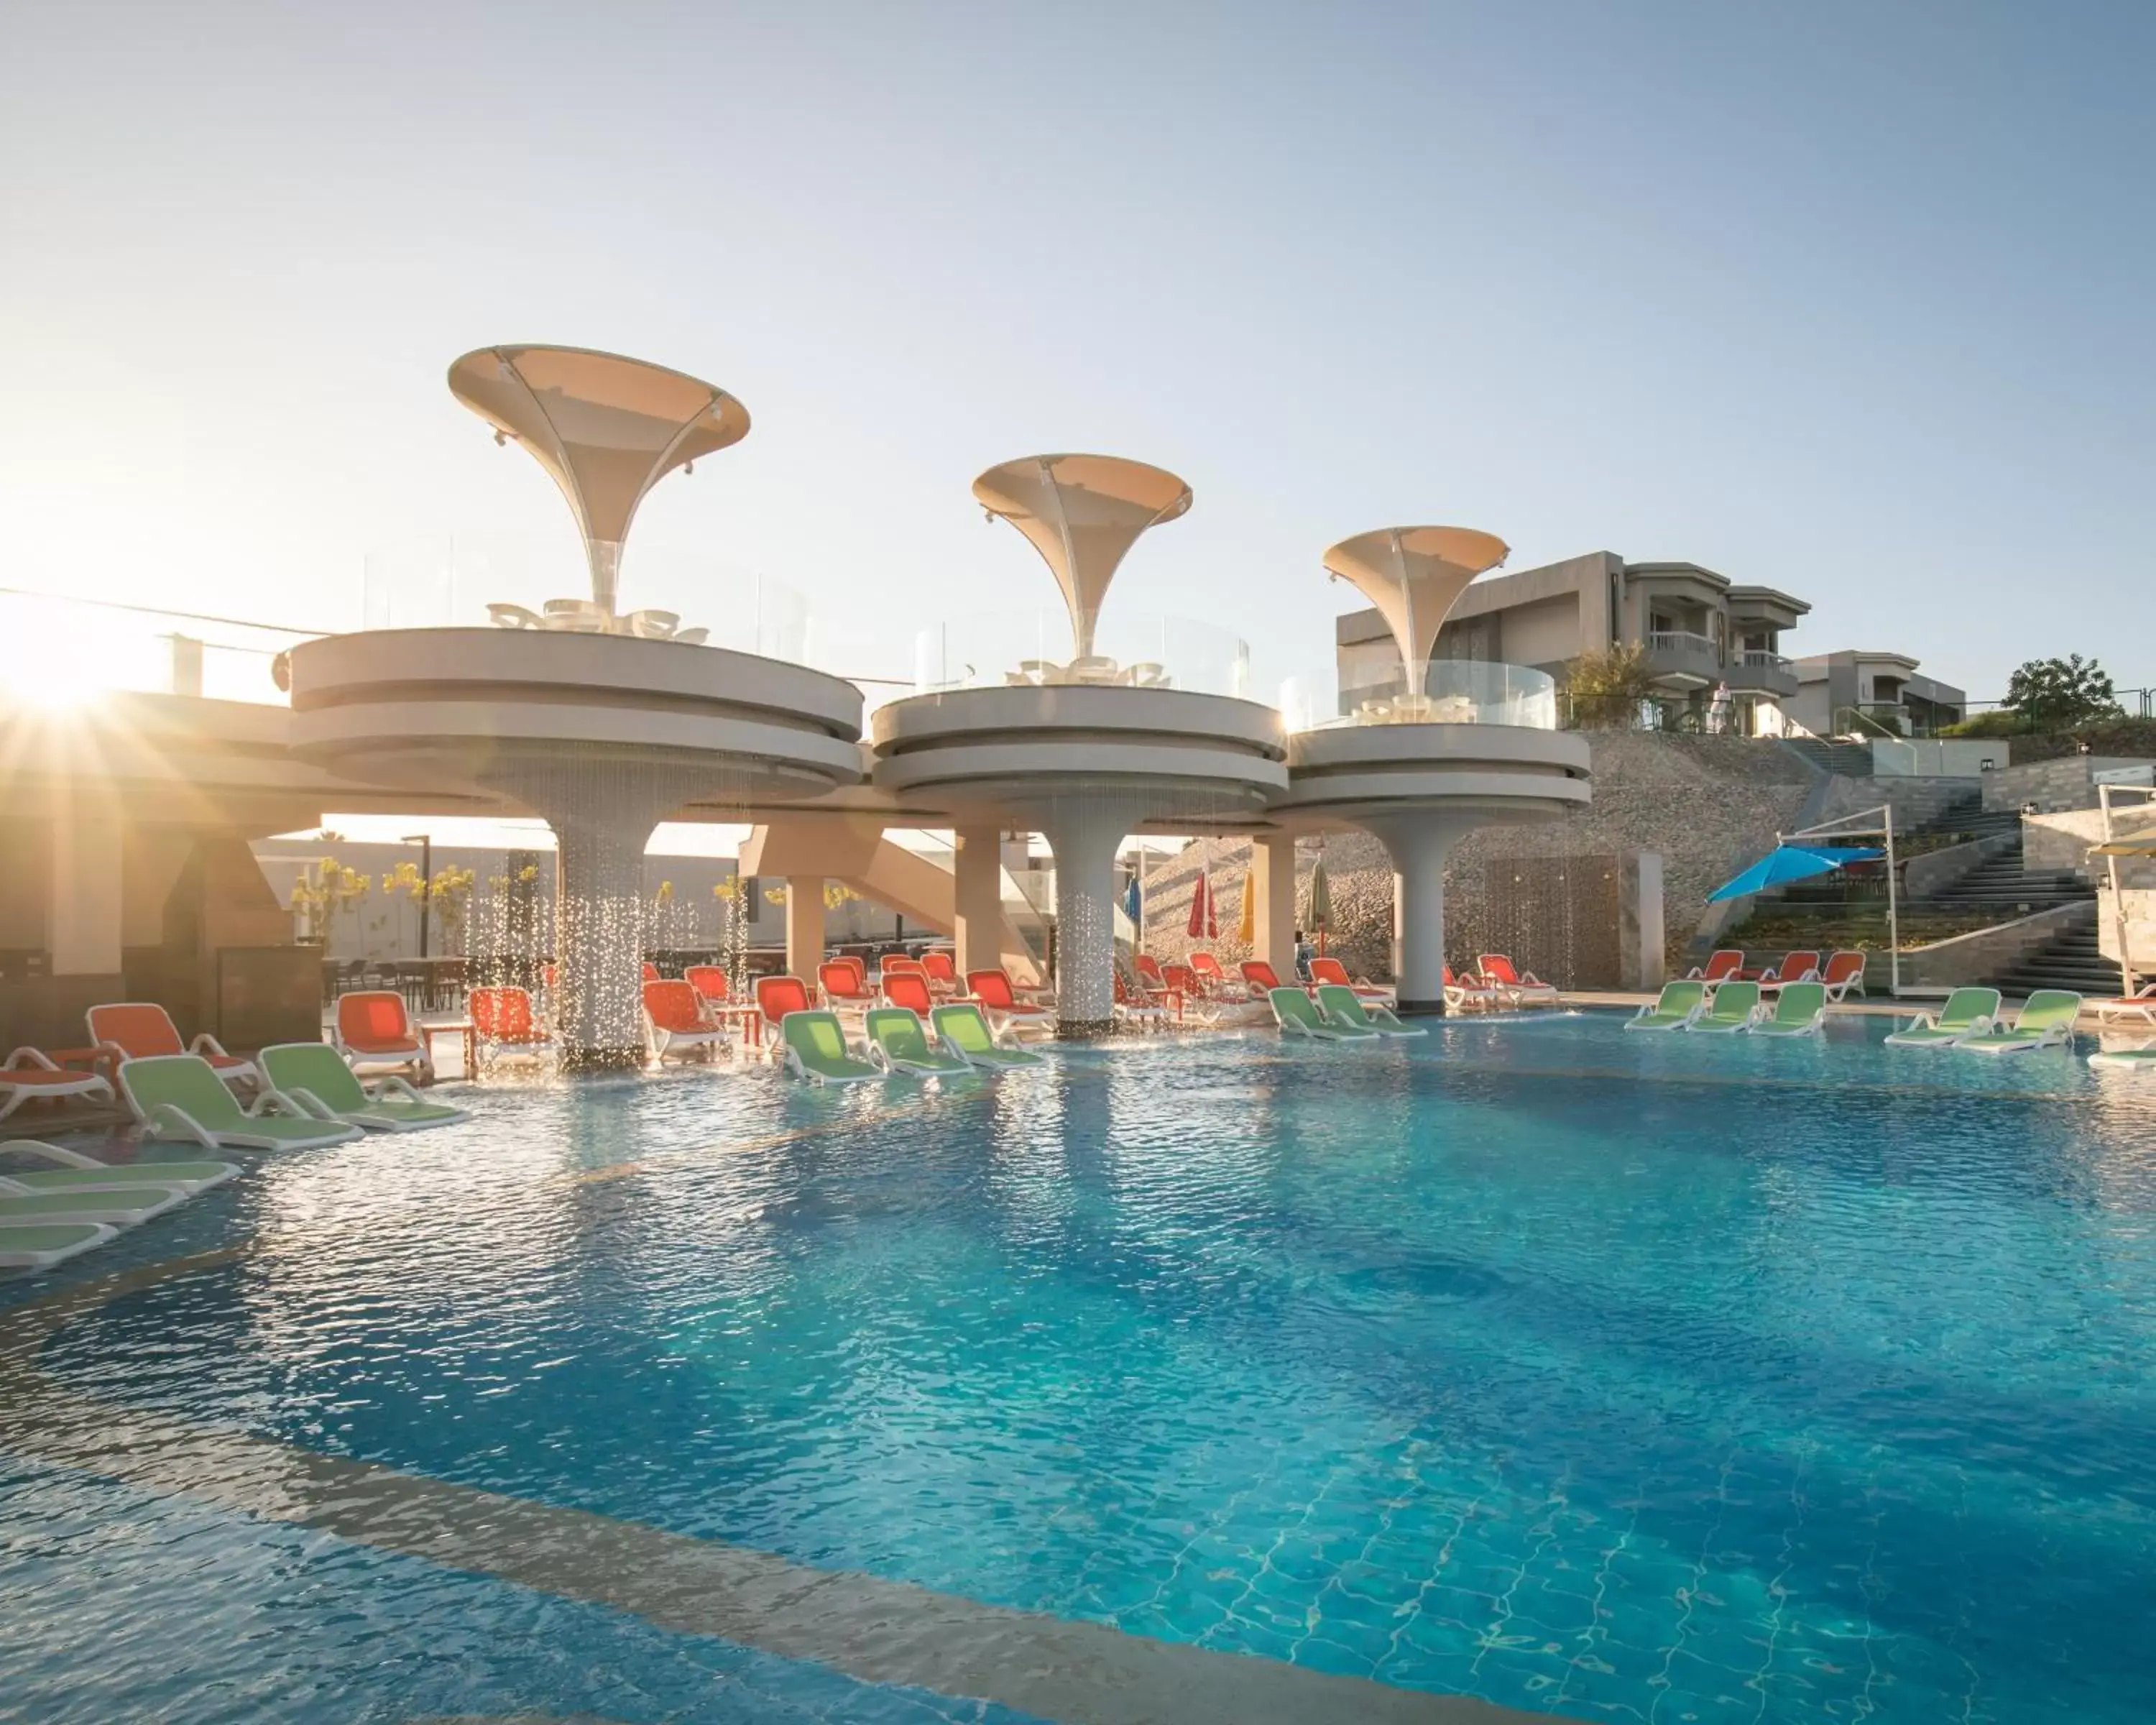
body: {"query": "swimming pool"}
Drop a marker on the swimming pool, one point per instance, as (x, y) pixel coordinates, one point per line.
(1606, 1376)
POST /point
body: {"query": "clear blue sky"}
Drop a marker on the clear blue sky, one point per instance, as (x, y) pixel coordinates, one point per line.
(1849, 299)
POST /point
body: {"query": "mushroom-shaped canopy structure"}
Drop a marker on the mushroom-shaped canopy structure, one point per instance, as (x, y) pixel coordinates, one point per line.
(1415, 576)
(606, 429)
(1082, 513)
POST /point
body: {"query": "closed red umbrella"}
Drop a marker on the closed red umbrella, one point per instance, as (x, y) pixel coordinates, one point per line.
(1205, 921)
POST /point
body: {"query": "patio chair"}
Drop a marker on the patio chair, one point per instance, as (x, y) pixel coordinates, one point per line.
(1470, 993)
(315, 1077)
(992, 991)
(70, 1170)
(1801, 966)
(181, 1098)
(650, 971)
(1799, 1010)
(1720, 966)
(1259, 978)
(107, 1204)
(816, 1050)
(136, 1029)
(2139, 1005)
(899, 1043)
(711, 982)
(1332, 973)
(1297, 1015)
(506, 1025)
(1736, 1008)
(374, 1033)
(1210, 976)
(778, 998)
(39, 1246)
(673, 1019)
(1343, 1008)
(1844, 975)
(31, 1074)
(845, 983)
(2124, 1059)
(962, 1028)
(1133, 1006)
(2047, 1020)
(908, 990)
(1498, 972)
(1679, 1004)
(941, 967)
(1968, 1012)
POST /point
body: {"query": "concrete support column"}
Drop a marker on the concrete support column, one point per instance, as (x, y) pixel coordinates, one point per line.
(1417, 841)
(1085, 839)
(83, 916)
(1272, 878)
(598, 935)
(805, 926)
(978, 897)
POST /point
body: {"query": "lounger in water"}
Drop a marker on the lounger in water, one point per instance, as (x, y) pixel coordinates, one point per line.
(962, 1029)
(1345, 1009)
(1735, 1007)
(816, 1050)
(2124, 1059)
(1968, 1012)
(899, 1040)
(1297, 1015)
(40, 1247)
(2045, 1020)
(71, 1171)
(1680, 1004)
(114, 1207)
(178, 1096)
(1800, 1011)
(314, 1075)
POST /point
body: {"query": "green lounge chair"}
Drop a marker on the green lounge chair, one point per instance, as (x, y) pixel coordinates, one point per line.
(315, 1076)
(2124, 1059)
(1800, 1010)
(41, 1247)
(2046, 1019)
(1680, 1004)
(181, 1096)
(900, 1041)
(71, 1171)
(963, 1030)
(816, 1050)
(118, 1207)
(1968, 1012)
(1345, 1010)
(1735, 1007)
(1297, 1015)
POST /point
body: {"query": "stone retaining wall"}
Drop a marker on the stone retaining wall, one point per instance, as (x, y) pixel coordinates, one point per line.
(1969, 959)
(2066, 783)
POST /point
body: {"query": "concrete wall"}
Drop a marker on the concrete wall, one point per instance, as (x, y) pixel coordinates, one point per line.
(2068, 781)
(1977, 957)
(1916, 801)
(1936, 870)
(2062, 840)
(1544, 634)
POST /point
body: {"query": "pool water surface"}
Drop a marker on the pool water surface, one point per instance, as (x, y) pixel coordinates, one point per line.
(1611, 1377)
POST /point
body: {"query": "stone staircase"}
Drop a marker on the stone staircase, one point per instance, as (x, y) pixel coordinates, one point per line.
(1850, 760)
(2070, 960)
(2000, 886)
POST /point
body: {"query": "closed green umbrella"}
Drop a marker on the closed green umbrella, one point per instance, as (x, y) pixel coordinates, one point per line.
(1318, 917)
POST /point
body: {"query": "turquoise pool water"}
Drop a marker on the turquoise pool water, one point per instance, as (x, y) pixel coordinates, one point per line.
(1605, 1376)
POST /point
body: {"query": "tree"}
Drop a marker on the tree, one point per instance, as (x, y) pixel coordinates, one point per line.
(1607, 686)
(2058, 694)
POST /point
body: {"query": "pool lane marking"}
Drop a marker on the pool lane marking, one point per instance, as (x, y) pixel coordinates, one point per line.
(876, 1632)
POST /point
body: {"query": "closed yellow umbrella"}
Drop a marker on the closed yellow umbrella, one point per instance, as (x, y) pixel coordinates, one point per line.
(1246, 925)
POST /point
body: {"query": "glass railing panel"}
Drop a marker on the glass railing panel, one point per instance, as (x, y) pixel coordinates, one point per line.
(1021, 648)
(64, 651)
(1456, 692)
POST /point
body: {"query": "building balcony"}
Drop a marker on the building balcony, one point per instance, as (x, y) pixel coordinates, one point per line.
(1755, 672)
(1683, 659)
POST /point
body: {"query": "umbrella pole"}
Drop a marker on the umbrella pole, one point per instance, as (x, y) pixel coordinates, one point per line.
(1893, 915)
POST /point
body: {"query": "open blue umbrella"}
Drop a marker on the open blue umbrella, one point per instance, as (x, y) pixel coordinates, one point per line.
(1792, 862)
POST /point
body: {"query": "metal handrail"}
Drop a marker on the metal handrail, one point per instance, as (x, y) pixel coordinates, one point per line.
(1680, 638)
(1761, 656)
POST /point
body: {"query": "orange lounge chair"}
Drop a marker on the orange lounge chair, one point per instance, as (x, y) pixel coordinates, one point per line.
(845, 982)
(1209, 970)
(1844, 975)
(31, 1073)
(898, 964)
(711, 983)
(776, 996)
(1471, 994)
(1330, 973)
(904, 988)
(375, 1033)
(992, 991)
(1801, 966)
(1149, 969)
(1723, 967)
(2140, 1004)
(674, 1014)
(1259, 978)
(505, 1025)
(1135, 1006)
(942, 968)
(141, 1030)
(1498, 972)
